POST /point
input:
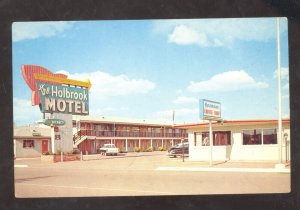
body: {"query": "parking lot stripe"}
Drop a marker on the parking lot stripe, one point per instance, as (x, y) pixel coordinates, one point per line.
(206, 169)
(99, 188)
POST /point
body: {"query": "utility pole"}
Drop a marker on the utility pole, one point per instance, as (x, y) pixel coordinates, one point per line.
(279, 94)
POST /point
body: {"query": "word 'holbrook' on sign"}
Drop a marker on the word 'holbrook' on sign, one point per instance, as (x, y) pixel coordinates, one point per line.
(52, 104)
(65, 93)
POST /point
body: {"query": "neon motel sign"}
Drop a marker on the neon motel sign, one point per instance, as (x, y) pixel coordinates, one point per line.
(63, 99)
(53, 93)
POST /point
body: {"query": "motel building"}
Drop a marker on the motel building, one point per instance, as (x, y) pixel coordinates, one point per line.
(238, 140)
(91, 132)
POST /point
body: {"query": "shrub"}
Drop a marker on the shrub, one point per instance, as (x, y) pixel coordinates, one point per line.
(75, 151)
(150, 149)
(58, 151)
(162, 149)
(47, 153)
(136, 149)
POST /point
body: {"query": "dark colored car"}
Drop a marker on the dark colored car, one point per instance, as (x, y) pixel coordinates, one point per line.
(177, 150)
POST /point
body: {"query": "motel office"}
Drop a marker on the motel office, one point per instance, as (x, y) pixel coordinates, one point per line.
(240, 140)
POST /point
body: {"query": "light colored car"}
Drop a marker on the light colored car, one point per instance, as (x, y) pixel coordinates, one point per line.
(108, 149)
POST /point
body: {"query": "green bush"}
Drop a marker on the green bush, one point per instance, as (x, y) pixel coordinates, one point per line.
(58, 151)
(47, 153)
(75, 151)
(136, 149)
(150, 149)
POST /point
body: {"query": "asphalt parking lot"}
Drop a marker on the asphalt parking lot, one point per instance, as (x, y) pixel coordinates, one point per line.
(141, 174)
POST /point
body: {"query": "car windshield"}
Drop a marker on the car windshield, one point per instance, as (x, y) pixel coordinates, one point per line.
(180, 145)
(109, 146)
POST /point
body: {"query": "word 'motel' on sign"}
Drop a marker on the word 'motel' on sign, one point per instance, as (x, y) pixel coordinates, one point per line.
(63, 99)
(209, 109)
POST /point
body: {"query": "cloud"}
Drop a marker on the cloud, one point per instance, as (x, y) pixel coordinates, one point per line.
(284, 77)
(218, 32)
(286, 86)
(33, 30)
(284, 73)
(185, 100)
(183, 35)
(285, 96)
(24, 111)
(107, 85)
(226, 81)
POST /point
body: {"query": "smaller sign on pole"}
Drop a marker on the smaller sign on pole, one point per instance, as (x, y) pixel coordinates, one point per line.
(210, 110)
(54, 122)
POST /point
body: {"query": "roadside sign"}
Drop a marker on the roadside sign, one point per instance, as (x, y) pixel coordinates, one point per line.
(209, 110)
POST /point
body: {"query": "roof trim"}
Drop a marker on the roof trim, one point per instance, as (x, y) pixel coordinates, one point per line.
(232, 121)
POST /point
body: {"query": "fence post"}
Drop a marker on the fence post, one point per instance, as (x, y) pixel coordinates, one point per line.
(81, 157)
(61, 157)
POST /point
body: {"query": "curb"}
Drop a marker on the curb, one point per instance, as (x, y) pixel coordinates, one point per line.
(205, 169)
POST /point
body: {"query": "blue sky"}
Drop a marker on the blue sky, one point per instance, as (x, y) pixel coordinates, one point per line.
(145, 69)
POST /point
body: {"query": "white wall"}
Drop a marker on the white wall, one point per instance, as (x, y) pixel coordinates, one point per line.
(21, 152)
(237, 151)
(66, 134)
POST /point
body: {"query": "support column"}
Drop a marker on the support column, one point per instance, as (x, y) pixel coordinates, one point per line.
(139, 143)
(52, 140)
(151, 143)
(210, 143)
(126, 144)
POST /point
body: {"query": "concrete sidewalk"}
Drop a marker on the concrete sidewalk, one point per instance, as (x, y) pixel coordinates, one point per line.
(228, 166)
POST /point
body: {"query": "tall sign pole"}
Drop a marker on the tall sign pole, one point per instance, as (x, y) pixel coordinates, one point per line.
(279, 95)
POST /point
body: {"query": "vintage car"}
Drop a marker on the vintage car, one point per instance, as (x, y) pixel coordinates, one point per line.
(108, 149)
(177, 150)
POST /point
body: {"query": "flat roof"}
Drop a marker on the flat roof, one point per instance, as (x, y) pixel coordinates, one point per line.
(32, 131)
(232, 122)
(116, 120)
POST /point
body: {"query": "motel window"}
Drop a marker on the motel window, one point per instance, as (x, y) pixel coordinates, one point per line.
(269, 136)
(197, 139)
(201, 139)
(169, 130)
(205, 139)
(28, 143)
(259, 136)
(220, 138)
(74, 124)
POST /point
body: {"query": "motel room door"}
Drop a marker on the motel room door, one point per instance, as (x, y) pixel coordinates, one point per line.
(44, 146)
